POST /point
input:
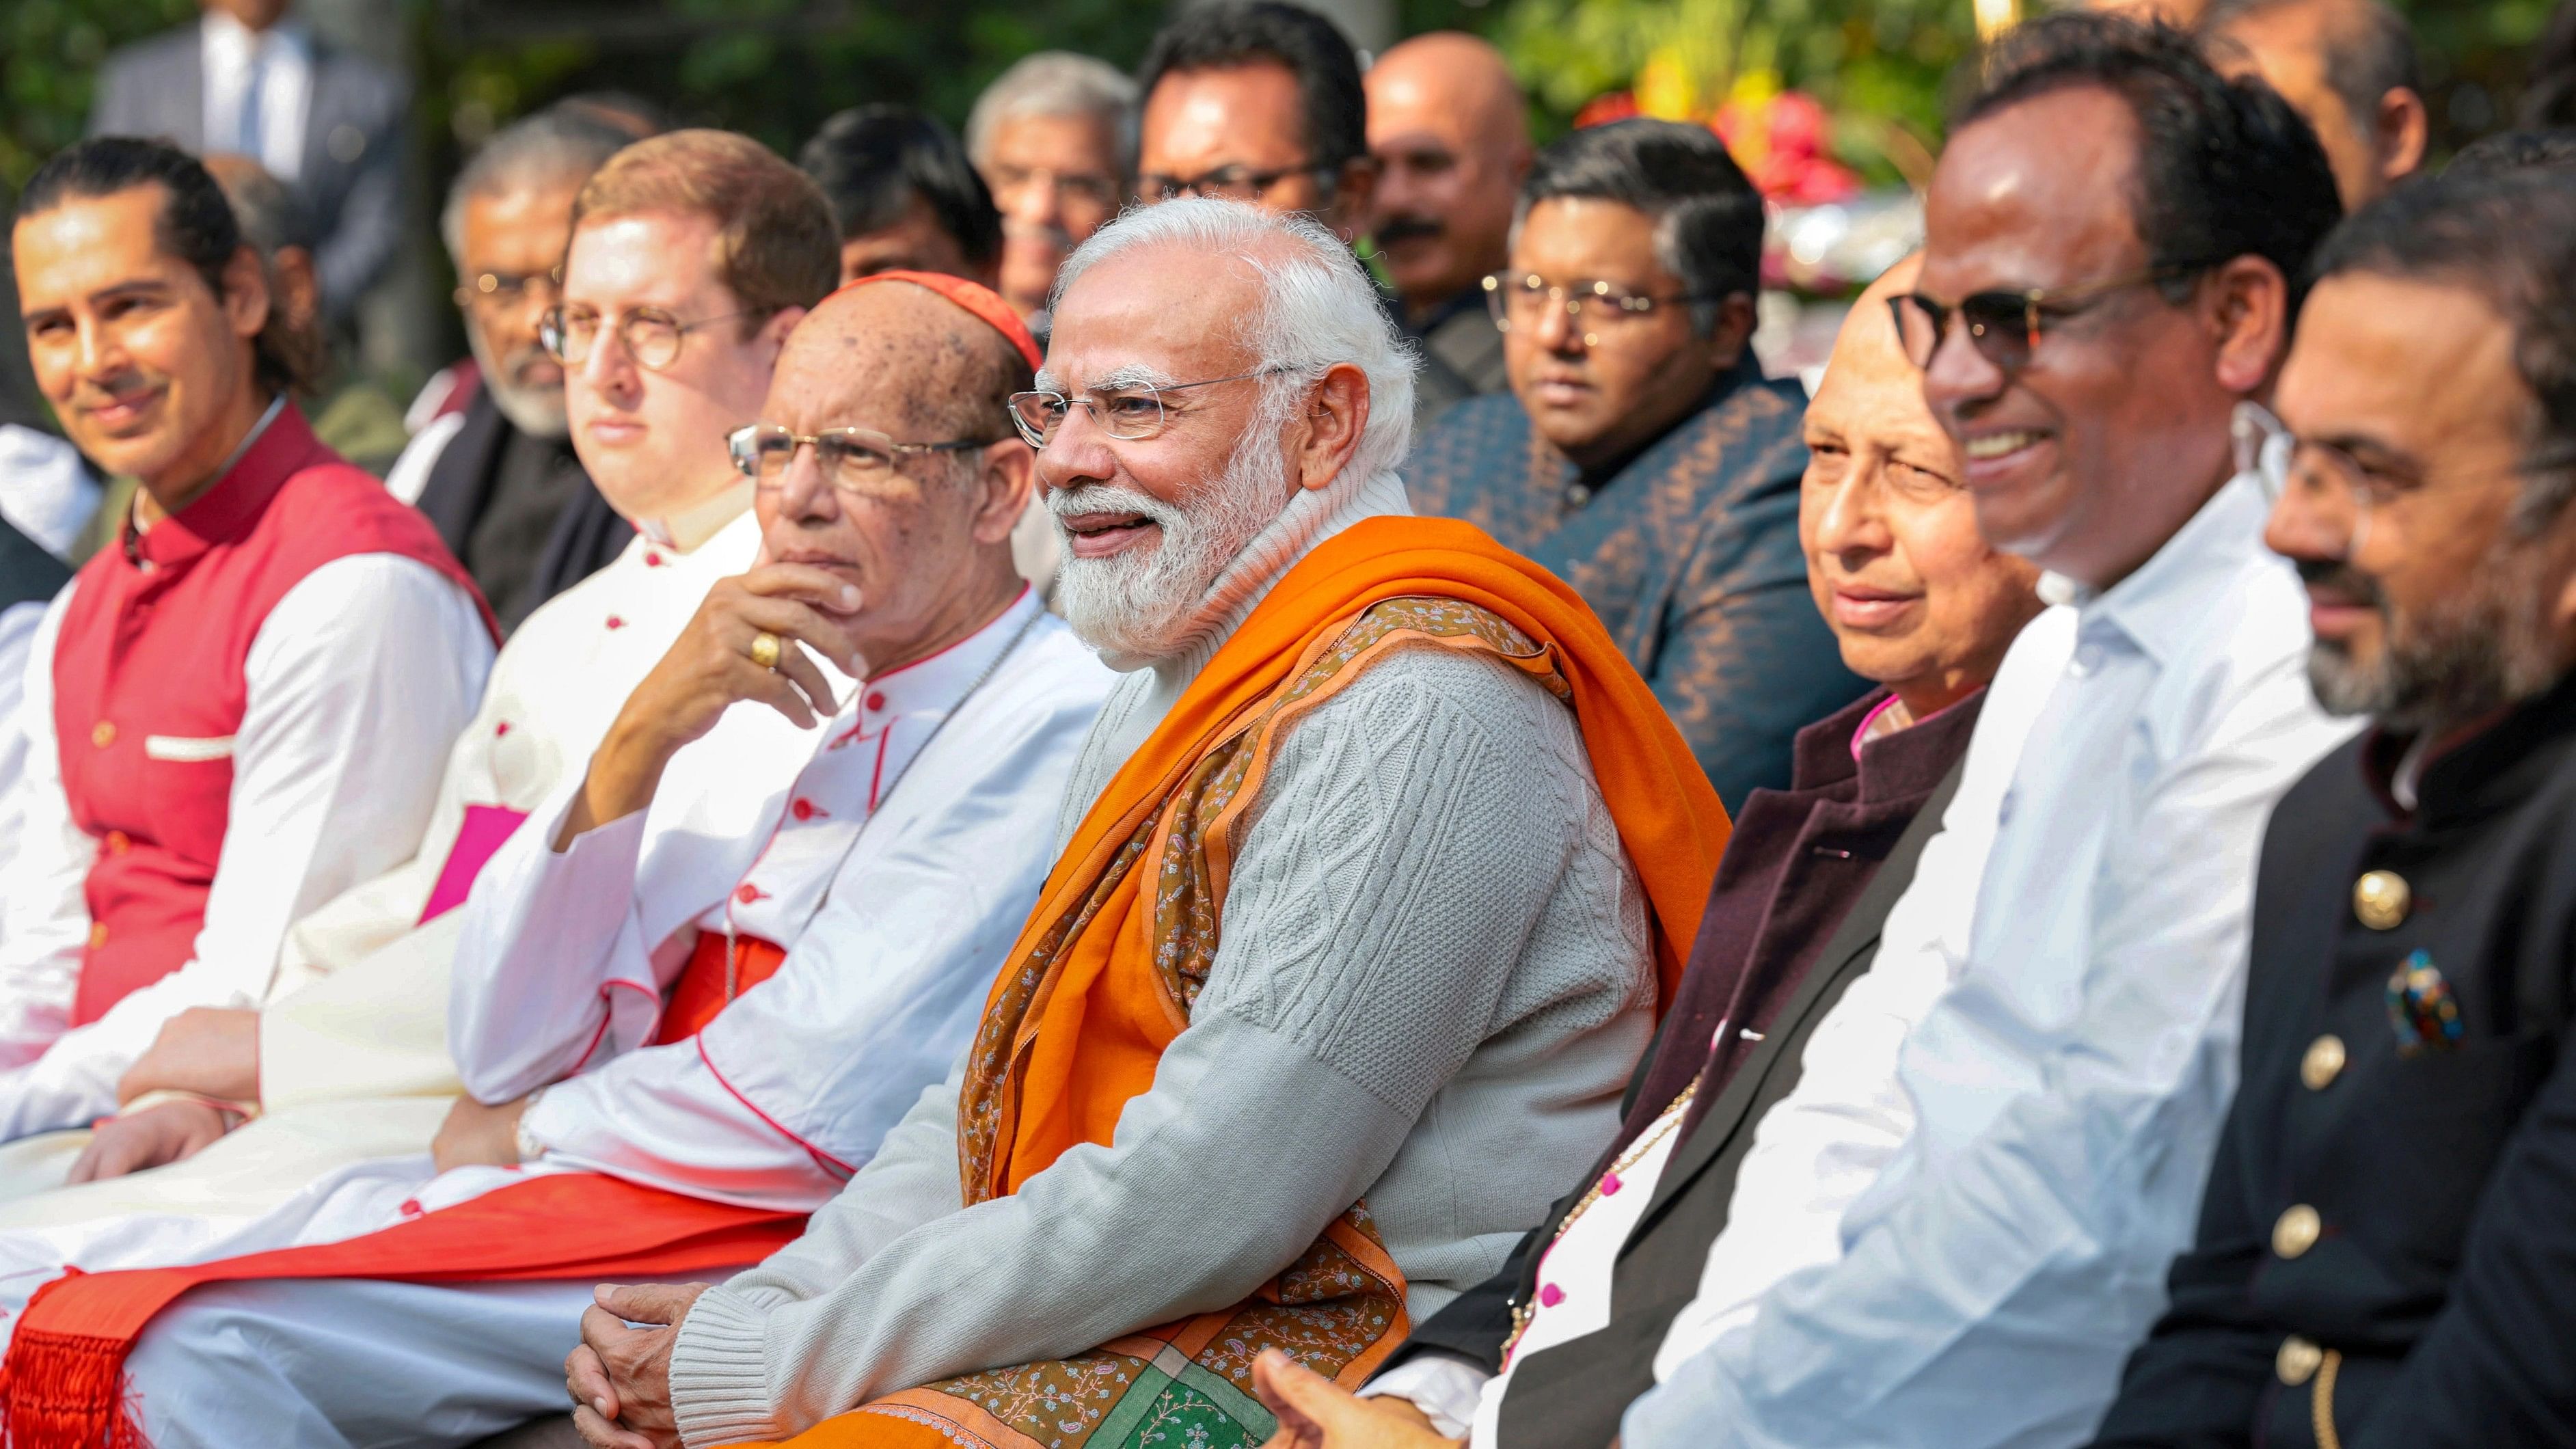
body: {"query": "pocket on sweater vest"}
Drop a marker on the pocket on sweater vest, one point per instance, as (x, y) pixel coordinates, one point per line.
(183, 749)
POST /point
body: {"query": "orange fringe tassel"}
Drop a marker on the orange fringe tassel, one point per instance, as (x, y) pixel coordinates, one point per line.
(68, 1391)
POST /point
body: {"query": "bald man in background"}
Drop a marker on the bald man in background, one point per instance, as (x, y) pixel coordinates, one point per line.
(1450, 132)
(2348, 66)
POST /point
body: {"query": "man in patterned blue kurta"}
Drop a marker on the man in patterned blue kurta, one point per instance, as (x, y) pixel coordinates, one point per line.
(1641, 454)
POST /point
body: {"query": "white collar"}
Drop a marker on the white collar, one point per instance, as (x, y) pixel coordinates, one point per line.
(937, 682)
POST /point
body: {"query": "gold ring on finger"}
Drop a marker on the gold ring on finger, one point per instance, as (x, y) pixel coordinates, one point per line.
(764, 649)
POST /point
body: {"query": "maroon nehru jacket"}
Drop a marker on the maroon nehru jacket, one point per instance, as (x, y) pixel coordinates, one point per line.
(1798, 860)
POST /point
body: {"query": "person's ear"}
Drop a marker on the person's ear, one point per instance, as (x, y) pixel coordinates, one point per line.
(245, 299)
(772, 336)
(2249, 312)
(2401, 132)
(299, 286)
(1737, 317)
(1337, 414)
(1005, 473)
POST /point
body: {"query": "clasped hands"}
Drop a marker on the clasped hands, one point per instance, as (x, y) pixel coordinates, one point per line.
(620, 1375)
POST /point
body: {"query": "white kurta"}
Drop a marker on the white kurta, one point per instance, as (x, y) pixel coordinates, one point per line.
(353, 1038)
(358, 683)
(892, 935)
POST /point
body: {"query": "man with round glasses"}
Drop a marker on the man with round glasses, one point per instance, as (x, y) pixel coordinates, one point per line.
(348, 1058)
(697, 990)
(1641, 454)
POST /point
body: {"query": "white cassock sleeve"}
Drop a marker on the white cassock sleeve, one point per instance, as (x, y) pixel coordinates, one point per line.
(554, 971)
(792, 1087)
(358, 682)
(44, 920)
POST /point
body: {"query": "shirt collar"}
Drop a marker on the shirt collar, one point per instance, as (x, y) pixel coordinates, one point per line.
(938, 682)
(687, 528)
(2164, 604)
(2493, 764)
(278, 444)
(230, 40)
(1895, 766)
(1746, 372)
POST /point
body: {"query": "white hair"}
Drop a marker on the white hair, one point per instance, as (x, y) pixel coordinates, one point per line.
(1057, 83)
(1318, 310)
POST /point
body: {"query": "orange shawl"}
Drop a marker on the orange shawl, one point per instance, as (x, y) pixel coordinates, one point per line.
(1101, 979)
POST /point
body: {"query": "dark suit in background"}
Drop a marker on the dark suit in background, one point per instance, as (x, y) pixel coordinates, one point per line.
(518, 511)
(1793, 918)
(352, 147)
(2388, 1241)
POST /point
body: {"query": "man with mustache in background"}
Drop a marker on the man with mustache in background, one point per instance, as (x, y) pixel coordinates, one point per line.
(1450, 132)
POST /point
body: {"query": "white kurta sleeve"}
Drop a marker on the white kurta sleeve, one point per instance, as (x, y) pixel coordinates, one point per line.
(44, 919)
(358, 682)
(553, 968)
(1406, 843)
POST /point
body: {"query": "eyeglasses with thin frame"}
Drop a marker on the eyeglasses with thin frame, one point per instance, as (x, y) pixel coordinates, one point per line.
(500, 291)
(1129, 414)
(1229, 183)
(2006, 326)
(2279, 459)
(652, 336)
(1085, 186)
(854, 460)
(1523, 299)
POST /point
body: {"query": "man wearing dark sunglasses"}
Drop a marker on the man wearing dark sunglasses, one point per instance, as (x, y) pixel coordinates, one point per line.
(2112, 239)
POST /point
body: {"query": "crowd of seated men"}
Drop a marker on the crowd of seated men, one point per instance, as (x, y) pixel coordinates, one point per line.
(931, 812)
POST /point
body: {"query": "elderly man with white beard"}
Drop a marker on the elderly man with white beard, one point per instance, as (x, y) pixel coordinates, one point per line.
(1372, 876)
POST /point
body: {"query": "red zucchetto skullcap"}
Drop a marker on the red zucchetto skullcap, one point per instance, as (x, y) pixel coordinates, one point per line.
(975, 297)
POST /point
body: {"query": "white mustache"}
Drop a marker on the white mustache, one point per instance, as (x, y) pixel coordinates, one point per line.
(1113, 498)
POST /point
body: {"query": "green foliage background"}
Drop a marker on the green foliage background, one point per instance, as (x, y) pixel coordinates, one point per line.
(775, 68)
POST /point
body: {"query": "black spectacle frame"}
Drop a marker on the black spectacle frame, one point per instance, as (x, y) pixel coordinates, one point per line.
(2005, 326)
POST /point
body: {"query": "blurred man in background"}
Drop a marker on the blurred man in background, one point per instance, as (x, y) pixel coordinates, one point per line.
(1262, 102)
(1055, 139)
(352, 416)
(1641, 454)
(904, 194)
(1450, 133)
(252, 79)
(498, 476)
(2348, 66)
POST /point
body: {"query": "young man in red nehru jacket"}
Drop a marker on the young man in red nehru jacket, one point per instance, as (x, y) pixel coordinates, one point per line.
(240, 707)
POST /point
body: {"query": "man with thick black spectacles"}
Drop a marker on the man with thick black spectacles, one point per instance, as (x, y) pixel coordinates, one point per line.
(2041, 1136)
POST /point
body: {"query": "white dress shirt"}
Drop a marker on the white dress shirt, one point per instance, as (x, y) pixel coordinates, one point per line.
(357, 684)
(893, 926)
(44, 489)
(2067, 1089)
(258, 89)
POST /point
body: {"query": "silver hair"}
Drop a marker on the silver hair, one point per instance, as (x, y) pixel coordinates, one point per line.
(552, 147)
(1058, 83)
(1319, 309)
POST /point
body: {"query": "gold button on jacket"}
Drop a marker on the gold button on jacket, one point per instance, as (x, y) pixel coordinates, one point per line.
(2322, 1063)
(2297, 1361)
(2296, 1232)
(2381, 899)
